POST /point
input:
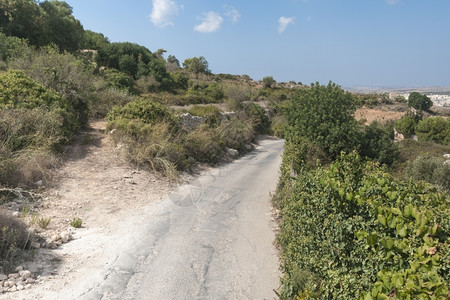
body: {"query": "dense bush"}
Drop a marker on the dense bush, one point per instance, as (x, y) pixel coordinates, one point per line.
(351, 231)
(63, 73)
(258, 116)
(17, 90)
(324, 115)
(435, 129)
(376, 143)
(11, 47)
(430, 169)
(35, 122)
(143, 110)
(406, 126)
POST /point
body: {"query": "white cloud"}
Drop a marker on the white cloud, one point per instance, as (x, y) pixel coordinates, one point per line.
(163, 12)
(232, 13)
(392, 1)
(211, 22)
(284, 22)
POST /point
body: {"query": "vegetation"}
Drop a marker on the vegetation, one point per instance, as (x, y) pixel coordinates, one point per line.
(76, 223)
(14, 237)
(378, 238)
(406, 126)
(419, 101)
(349, 228)
(435, 129)
(431, 169)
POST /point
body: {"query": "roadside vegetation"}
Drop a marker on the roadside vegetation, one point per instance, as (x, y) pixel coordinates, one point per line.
(349, 228)
(361, 216)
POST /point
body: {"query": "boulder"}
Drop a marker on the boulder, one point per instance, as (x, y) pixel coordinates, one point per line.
(190, 122)
(232, 152)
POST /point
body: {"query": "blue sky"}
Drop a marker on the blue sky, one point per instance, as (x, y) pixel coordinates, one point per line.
(390, 43)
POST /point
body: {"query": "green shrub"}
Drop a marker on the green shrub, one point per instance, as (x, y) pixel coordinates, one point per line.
(406, 126)
(430, 169)
(145, 111)
(324, 115)
(376, 143)
(76, 223)
(20, 91)
(69, 76)
(360, 234)
(435, 129)
(118, 80)
(258, 116)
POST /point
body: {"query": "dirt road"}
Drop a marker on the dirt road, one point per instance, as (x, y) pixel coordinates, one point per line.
(209, 239)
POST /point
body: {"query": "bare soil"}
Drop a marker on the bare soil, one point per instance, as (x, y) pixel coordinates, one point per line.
(96, 185)
(378, 114)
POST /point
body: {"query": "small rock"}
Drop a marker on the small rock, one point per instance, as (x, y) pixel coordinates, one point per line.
(248, 147)
(50, 244)
(13, 289)
(30, 281)
(56, 237)
(13, 276)
(1, 289)
(35, 245)
(232, 152)
(20, 287)
(3, 277)
(65, 237)
(25, 274)
(16, 214)
(19, 268)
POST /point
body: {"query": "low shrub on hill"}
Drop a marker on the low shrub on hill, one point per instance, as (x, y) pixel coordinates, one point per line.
(430, 169)
(435, 129)
(154, 137)
(14, 237)
(34, 123)
(351, 231)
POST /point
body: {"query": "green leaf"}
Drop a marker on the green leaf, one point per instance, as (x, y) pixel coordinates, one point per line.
(397, 280)
(381, 219)
(401, 230)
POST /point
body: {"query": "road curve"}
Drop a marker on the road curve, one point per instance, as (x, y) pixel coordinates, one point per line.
(211, 239)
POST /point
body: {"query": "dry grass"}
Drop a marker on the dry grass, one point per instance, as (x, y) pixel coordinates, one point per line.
(14, 237)
(379, 115)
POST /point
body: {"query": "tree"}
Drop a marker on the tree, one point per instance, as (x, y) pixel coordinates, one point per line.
(61, 26)
(196, 65)
(268, 81)
(173, 60)
(93, 40)
(324, 116)
(419, 101)
(23, 19)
